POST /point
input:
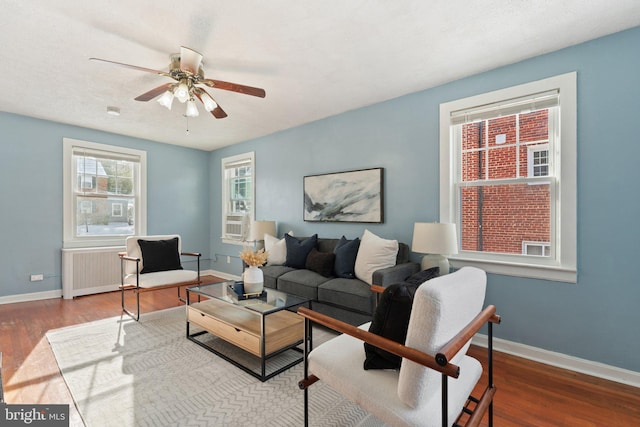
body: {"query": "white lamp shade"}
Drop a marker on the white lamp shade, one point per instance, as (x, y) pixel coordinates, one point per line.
(207, 101)
(192, 110)
(166, 99)
(182, 92)
(260, 228)
(434, 238)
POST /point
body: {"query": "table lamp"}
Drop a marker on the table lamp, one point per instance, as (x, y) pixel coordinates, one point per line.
(436, 240)
(259, 229)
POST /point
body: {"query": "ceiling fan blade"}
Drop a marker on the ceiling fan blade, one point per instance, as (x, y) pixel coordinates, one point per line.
(233, 87)
(134, 67)
(148, 96)
(217, 112)
(189, 60)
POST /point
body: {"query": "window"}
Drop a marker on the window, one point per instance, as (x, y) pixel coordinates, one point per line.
(535, 248)
(238, 196)
(99, 182)
(116, 209)
(508, 178)
(538, 160)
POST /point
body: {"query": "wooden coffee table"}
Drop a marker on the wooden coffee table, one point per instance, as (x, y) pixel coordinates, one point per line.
(264, 328)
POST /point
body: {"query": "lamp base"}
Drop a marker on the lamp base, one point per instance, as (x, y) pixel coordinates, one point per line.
(433, 260)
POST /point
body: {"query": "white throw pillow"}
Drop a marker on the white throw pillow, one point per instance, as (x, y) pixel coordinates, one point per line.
(277, 249)
(374, 253)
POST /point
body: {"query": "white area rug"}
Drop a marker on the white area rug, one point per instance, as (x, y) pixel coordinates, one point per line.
(126, 373)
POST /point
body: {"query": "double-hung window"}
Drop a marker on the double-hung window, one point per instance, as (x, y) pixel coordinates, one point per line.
(238, 197)
(104, 194)
(508, 178)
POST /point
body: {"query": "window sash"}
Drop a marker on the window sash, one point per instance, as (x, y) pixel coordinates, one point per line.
(524, 104)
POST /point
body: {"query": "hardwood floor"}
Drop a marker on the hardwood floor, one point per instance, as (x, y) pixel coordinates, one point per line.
(529, 393)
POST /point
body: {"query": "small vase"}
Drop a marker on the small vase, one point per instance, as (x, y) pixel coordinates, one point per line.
(253, 280)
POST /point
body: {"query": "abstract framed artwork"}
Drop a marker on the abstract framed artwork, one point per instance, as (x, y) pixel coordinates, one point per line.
(352, 196)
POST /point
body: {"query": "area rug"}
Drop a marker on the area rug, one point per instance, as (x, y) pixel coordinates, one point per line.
(126, 373)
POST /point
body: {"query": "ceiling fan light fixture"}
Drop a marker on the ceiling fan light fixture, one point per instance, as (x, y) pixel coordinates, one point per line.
(166, 99)
(182, 91)
(192, 110)
(208, 102)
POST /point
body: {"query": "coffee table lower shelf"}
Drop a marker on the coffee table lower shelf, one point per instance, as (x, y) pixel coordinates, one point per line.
(246, 339)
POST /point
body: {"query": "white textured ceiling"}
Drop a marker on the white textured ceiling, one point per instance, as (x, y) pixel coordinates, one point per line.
(314, 58)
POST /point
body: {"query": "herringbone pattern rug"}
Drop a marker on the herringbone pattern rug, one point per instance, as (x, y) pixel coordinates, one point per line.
(126, 373)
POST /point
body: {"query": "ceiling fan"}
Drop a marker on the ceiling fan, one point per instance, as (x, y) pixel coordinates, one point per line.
(186, 70)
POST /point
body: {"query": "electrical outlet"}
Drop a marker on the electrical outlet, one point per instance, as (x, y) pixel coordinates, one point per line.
(37, 277)
(228, 259)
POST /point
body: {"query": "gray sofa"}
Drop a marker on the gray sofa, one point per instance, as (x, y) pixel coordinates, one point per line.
(350, 300)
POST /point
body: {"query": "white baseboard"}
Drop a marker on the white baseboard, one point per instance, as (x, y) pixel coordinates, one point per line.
(560, 360)
(34, 296)
(220, 274)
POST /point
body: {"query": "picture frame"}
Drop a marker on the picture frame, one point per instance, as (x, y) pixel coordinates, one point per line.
(350, 196)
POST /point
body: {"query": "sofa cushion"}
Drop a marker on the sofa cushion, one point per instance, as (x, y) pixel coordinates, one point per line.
(301, 282)
(159, 255)
(346, 252)
(272, 272)
(320, 262)
(374, 253)
(353, 294)
(298, 250)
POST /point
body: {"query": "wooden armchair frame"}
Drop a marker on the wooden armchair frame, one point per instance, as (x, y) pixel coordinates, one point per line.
(439, 362)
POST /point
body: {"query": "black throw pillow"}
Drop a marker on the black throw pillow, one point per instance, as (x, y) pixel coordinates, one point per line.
(159, 255)
(391, 318)
(320, 262)
(297, 251)
(422, 276)
(346, 252)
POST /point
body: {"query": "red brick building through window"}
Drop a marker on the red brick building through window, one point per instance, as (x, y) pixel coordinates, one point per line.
(502, 209)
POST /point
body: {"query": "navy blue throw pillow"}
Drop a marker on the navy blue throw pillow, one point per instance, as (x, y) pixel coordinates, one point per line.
(297, 250)
(346, 252)
(159, 255)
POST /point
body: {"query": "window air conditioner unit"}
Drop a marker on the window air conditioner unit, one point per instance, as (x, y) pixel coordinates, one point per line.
(236, 226)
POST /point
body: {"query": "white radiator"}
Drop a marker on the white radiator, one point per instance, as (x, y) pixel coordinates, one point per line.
(90, 270)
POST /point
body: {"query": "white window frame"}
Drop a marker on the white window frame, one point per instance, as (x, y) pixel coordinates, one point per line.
(70, 240)
(227, 163)
(562, 266)
(545, 247)
(531, 150)
(113, 209)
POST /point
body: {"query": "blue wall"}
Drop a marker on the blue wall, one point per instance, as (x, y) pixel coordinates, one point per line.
(31, 197)
(595, 319)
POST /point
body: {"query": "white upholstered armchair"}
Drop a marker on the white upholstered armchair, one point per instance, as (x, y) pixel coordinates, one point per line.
(151, 263)
(434, 383)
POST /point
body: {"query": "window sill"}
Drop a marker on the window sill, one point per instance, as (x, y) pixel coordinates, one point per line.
(234, 242)
(543, 272)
